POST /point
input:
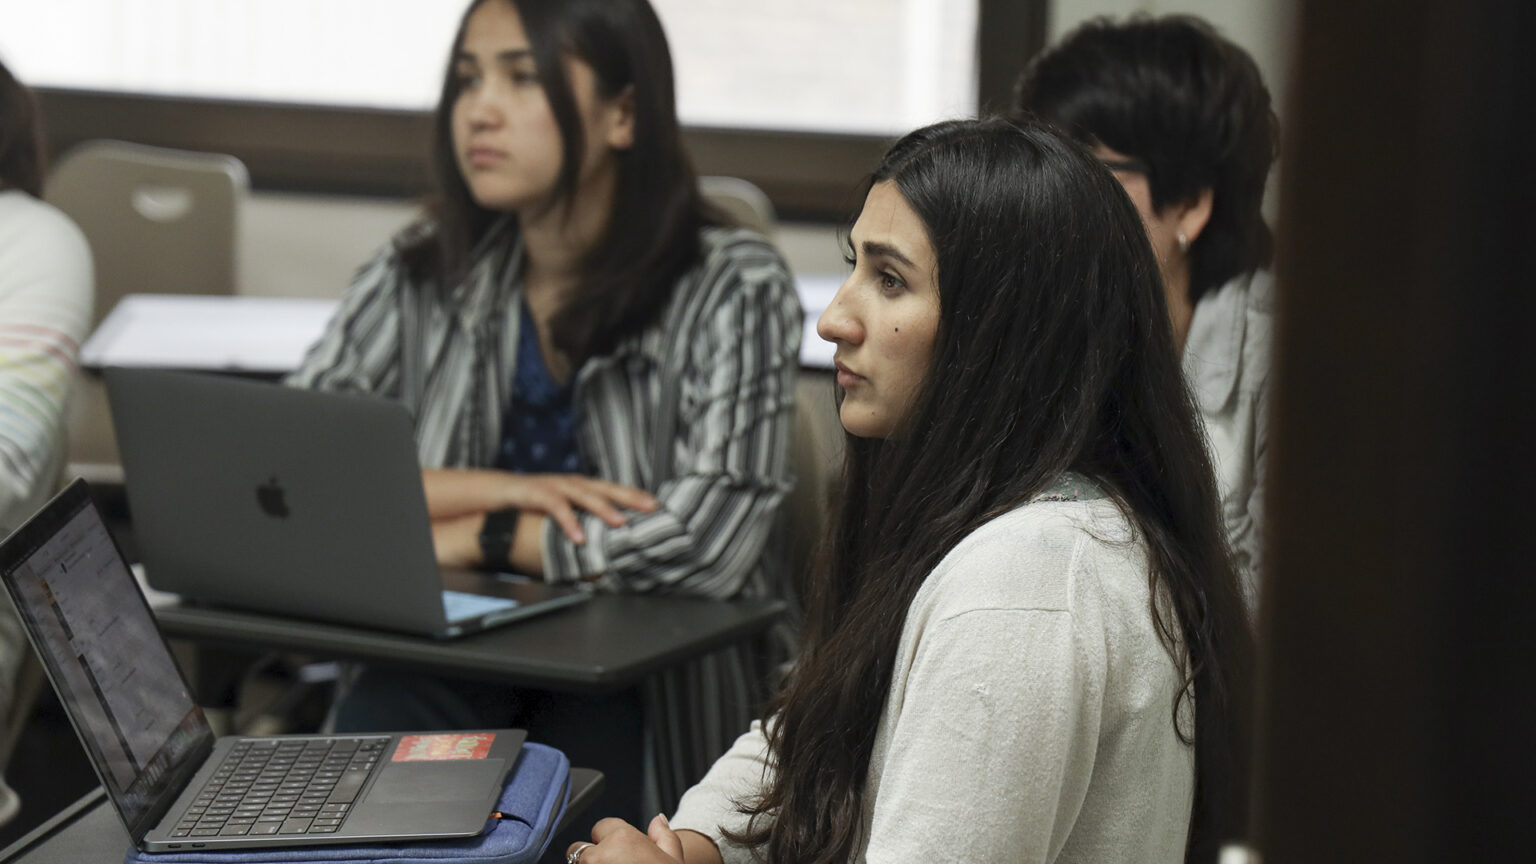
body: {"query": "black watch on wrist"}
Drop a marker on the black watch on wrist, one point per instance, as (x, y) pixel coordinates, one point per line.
(496, 538)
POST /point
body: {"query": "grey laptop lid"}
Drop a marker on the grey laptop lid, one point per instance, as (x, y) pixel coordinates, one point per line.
(149, 742)
(254, 495)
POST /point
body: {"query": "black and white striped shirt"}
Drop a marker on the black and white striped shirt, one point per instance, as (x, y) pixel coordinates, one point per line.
(697, 409)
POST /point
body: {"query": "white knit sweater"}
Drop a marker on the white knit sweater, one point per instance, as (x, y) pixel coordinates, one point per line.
(1030, 715)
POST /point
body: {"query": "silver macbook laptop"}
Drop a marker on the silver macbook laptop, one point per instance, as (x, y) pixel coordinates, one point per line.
(253, 495)
(177, 787)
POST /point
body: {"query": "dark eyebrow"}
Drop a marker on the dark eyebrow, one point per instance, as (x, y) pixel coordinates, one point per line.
(885, 251)
(503, 56)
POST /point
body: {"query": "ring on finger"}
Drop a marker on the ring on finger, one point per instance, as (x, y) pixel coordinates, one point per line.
(574, 856)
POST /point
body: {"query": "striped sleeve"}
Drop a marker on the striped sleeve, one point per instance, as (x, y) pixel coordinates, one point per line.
(360, 349)
(46, 292)
(738, 345)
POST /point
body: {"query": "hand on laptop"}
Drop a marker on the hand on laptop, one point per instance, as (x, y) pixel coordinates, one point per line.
(458, 499)
(455, 492)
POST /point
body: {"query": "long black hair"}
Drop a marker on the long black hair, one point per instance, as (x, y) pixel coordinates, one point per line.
(1053, 354)
(652, 235)
(1175, 94)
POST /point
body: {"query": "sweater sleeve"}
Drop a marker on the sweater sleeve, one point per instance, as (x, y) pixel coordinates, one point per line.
(47, 286)
(359, 351)
(731, 453)
(992, 751)
(744, 771)
(1248, 548)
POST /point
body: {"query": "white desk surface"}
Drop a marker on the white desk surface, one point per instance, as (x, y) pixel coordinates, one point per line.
(269, 335)
(266, 335)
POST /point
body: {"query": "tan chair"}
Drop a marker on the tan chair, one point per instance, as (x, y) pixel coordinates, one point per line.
(816, 448)
(741, 200)
(159, 221)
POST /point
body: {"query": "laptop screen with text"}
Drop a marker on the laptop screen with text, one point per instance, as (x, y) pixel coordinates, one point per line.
(108, 662)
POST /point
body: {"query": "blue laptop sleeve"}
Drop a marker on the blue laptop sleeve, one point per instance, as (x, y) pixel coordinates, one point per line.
(531, 807)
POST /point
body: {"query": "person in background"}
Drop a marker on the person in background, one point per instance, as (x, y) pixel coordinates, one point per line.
(1182, 117)
(47, 287)
(601, 370)
(1026, 641)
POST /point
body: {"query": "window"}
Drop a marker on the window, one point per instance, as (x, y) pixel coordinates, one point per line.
(877, 67)
(827, 83)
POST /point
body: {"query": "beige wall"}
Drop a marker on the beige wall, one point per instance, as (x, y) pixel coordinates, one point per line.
(309, 245)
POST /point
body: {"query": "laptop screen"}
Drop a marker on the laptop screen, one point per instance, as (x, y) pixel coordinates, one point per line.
(112, 670)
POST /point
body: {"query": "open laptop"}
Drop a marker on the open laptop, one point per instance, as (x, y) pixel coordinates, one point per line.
(253, 495)
(175, 786)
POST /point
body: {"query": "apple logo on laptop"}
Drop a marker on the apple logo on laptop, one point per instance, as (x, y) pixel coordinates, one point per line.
(270, 496)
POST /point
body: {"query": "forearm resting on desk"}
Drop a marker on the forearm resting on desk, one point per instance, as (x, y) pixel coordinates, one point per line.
(457, 541)
(456, 492)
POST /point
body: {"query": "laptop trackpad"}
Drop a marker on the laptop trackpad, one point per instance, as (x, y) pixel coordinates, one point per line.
(463, 780)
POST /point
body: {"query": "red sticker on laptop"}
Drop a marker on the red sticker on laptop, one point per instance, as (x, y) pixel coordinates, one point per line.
(443, 748)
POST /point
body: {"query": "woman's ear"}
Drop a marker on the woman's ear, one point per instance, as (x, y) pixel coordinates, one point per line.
(1194, 213)
(619, 117)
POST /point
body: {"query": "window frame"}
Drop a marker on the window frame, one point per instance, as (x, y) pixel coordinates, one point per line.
(382, 152)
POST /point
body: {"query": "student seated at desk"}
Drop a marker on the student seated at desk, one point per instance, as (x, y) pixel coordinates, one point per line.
(1183, 118)
(601, 369)
(1027, 641)
(47, 287)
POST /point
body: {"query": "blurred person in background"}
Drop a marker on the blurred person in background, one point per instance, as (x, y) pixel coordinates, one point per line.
(46, 292)
(1182, 117)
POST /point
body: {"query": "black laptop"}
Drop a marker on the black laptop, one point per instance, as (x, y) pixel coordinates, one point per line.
(254, 495)
(175, 786)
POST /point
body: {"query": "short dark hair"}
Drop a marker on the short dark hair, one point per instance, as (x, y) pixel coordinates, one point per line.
(1054, 354)
(22, 162)
(1175, 94)
(653, 232)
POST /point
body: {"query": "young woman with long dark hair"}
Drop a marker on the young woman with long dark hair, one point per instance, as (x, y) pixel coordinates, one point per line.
(601, 370)
(1026, 640)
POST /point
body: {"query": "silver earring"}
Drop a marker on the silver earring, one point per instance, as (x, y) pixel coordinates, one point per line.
(1183, 243)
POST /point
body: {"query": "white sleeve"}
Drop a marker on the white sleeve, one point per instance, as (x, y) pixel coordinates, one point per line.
(745, 770)
(47, 286)
(992, 753)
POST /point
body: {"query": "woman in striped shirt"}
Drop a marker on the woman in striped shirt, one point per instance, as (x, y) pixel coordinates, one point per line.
(601, 371)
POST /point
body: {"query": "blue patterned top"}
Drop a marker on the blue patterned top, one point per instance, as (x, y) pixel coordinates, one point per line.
(538, 431)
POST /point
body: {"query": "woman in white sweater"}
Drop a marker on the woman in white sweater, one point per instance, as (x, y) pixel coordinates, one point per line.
(46, 290)
(1026, 640)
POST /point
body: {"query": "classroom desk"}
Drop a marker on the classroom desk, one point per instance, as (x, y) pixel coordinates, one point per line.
(606, 643)
(89, 832)
(268, 336)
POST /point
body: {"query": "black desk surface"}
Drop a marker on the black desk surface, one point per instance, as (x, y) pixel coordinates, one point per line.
(89, 832)
(609, 642)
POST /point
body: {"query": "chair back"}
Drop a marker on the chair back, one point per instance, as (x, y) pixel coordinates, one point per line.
(816, 452)
(159, 221)
(741, 200)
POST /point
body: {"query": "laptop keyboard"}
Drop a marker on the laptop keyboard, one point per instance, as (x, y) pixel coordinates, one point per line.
(282, 786)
